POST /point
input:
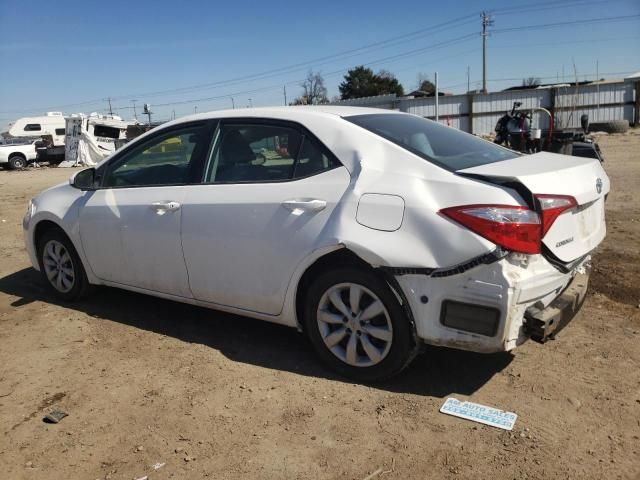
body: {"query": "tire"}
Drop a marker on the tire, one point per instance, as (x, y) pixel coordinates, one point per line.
(17, 162)
(372, 344)
(60, 266)
(613, 126)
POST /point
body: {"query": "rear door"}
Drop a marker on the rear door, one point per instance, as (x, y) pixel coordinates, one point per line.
(576, 231)
(268, 191)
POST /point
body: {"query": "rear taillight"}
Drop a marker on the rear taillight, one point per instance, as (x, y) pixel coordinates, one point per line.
(514, 228)
(552, 206)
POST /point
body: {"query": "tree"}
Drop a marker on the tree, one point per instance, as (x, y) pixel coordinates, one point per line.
(530, 82)
(313, 90)
(425, 85)
(362, 82)
(388, 83)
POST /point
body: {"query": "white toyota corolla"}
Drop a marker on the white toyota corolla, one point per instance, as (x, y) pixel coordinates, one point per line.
(372, 231)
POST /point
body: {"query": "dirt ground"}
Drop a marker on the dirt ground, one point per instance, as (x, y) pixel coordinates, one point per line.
(211, 395)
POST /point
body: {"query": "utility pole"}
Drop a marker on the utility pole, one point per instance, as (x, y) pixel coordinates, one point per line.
(598, 89)
(250, 104)
(110, 110)
(233, 103)
(284, 89)
(468, 79)
(135, 114)
(487, 21)
(437, 95)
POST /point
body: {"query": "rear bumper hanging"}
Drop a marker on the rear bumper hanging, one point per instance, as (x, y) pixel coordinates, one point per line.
(543, 324)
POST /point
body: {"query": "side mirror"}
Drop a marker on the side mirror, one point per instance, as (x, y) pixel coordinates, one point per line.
(84, 179)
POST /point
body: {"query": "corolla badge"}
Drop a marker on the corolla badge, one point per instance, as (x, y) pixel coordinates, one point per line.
(599, 185)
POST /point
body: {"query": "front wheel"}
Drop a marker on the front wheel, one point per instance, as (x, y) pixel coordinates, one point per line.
(357, 326)
(17, 162)
(61, 267)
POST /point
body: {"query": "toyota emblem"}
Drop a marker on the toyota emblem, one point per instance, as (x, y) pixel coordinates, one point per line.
(599, 185)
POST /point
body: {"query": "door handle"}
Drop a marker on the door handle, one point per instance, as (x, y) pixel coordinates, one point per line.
(163, 207)
(306, 205)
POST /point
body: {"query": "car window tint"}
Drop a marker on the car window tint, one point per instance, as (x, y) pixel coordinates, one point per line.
(253, 153)
(313, 159)
(444, 146)
(164, 160)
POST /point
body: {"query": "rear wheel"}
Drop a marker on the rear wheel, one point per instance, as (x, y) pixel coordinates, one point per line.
(357, 326)
(16, 162)
(61, 267)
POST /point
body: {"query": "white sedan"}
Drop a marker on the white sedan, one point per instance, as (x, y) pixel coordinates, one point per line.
(373, 232)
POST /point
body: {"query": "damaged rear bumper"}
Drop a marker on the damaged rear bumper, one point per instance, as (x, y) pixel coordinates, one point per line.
(495, 306)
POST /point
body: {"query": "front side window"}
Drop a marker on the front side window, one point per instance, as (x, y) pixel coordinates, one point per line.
(444, 146)
(163, 160)
(32, 127)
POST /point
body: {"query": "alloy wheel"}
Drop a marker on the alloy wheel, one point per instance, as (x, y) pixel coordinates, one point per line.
(58, 266)
(354, 324)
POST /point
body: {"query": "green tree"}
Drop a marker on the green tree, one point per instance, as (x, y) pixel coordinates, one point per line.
(362, 82)
(388, 83)
(426, 85)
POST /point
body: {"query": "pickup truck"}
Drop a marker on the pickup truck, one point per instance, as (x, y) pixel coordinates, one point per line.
(17, 155)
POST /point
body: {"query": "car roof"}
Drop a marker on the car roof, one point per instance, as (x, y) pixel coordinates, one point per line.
(293, 112)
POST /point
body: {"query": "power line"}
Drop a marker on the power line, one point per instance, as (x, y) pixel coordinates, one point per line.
(329, 74)
(553, 5)
(393, 41)
(356, 51)
(562, 24)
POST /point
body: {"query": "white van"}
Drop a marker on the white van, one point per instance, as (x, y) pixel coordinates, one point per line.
(50, 124)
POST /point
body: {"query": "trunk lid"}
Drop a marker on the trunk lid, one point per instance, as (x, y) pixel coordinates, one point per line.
(576, 231)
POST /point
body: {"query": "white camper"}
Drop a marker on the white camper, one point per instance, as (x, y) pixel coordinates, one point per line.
(50, 124)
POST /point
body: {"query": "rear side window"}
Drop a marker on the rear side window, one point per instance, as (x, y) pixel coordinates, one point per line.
(254, 153)
(444, 146)
(313, 159)
(59, 131)
(32, 127)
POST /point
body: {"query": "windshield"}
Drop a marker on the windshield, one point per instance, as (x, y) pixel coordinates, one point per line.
(444, 146)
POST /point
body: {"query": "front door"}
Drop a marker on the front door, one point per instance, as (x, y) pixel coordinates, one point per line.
(130, 227)
(269, 191)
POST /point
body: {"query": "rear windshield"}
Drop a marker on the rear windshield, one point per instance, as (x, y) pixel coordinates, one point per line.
(444, 146)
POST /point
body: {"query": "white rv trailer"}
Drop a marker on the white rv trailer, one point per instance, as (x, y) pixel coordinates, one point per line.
(91, 138)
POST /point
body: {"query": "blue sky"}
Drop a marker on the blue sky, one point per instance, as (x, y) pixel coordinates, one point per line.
(73, 55)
